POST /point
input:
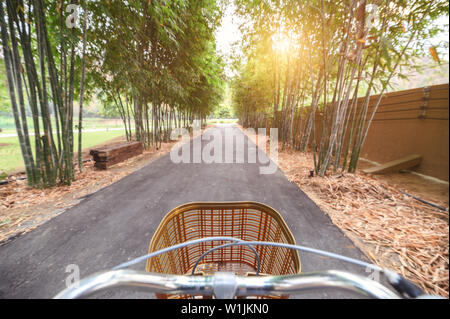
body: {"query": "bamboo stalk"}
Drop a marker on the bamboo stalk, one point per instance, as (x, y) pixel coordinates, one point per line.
(11, 88)
(83, 71)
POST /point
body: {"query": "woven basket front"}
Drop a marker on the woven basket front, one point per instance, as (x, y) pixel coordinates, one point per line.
(248, 221)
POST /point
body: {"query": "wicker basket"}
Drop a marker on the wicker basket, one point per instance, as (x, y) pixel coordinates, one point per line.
(249, 221)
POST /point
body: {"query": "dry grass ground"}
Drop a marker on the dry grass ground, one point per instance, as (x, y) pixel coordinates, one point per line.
(394, 230)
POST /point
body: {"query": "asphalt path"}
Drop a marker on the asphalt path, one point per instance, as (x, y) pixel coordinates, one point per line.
(116, 223)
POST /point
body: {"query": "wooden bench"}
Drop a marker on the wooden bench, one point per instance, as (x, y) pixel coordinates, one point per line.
(108, 156)
(395, 166)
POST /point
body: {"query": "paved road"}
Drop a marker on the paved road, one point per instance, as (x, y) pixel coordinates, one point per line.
(116, 224)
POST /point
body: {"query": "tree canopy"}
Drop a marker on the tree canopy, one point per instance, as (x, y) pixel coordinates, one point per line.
(154, 61)
(157, 54)
(303, 59)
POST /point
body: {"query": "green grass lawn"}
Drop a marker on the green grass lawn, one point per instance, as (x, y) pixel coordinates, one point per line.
(8, 126)
(11, 156)
(216, 121)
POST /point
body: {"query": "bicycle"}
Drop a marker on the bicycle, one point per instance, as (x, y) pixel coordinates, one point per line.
(234, 250)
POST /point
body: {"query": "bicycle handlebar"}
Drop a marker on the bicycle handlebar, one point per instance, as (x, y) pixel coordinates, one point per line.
(227, 285)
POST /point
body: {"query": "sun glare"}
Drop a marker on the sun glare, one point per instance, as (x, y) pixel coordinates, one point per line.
(281, 43)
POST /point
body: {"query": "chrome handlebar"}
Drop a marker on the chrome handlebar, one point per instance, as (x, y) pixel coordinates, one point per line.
(227, 285)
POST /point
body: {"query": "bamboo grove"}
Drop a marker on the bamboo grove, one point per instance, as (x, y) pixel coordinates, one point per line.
(154, 62)
(309, 68)
(159, 67)
(40, 63)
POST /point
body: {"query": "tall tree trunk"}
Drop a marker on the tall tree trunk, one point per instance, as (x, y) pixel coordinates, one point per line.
(28, 160)
(80, 113)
